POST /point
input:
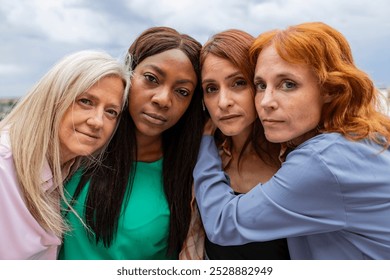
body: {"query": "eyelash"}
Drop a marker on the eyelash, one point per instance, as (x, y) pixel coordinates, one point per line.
(240, 82)
(183, 92)
(150, 78)
(261, 86)
(113, 114)
(212, 88)
(85, 101)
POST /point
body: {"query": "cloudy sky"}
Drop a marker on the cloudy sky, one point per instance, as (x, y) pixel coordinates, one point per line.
(34, 34)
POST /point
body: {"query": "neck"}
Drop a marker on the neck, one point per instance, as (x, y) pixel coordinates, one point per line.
(239, 140)
(149, 148)
(65, 160)
(300, 139)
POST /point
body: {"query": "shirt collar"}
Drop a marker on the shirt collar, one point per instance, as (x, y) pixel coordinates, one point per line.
(287, 147)
(47, 175)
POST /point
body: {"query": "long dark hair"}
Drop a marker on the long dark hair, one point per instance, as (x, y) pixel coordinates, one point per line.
(108, 182)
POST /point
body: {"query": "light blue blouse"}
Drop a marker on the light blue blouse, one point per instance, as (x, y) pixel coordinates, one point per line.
(330, 198)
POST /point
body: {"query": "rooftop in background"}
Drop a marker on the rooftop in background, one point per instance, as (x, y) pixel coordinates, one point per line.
(6, 104)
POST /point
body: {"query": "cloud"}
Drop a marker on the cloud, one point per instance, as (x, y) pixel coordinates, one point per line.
(37, 33)
(11, 69)
(60, 20)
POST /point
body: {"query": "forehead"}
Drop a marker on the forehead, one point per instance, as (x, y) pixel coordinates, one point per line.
(213, 63)
(270, 64)
(172, 62)
(167, 58)
(269, 56)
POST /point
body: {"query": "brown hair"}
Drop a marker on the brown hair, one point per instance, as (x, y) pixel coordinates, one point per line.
(233, 45)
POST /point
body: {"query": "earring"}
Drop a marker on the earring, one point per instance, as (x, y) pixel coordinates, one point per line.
(203, 107)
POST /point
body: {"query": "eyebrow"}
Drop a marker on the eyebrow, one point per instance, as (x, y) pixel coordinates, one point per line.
(163, 74)
(94, 98)
(237, 73)
(279, 76)
(157, 69)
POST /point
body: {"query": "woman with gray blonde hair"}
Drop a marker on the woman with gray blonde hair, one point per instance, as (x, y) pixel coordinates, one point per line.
(66, 119)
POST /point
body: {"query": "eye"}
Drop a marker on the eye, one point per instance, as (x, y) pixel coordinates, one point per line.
(113, 114)
(85, 101)
(288, 85)
(151, 78)
(260, 86)
(183, 92)
(210, 89)
(240, 83)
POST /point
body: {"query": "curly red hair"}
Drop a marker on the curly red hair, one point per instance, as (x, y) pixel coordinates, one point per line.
(353, 109)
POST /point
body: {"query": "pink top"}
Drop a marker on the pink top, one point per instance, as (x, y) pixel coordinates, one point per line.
(21, 237)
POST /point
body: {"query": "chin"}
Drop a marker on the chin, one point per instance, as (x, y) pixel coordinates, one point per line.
(230, 131)
(275, 139)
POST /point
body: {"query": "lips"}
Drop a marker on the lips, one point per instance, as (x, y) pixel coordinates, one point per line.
(91, 135)
(228, 117)
(271, 121)
(155, 118)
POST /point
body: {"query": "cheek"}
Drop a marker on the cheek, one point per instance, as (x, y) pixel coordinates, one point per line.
(307, 118)
(257, 103)
(179, 110)
(66, 137)
(134, 105)
(136, 95)
(252, 116)
(250, 107)
(109, 129)
(211, 107)
(65, 127)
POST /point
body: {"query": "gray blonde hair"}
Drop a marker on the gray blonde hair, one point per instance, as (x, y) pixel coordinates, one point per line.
(34, 125)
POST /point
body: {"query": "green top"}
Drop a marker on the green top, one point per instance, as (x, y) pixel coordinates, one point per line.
(143, 226)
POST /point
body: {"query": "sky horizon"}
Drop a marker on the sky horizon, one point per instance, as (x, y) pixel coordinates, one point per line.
(35, 34)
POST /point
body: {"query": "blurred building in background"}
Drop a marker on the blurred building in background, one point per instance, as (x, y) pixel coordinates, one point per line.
(6, 104)
(385, 100)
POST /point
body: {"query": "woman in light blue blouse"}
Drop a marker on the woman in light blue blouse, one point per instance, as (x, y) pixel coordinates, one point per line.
(331, 197)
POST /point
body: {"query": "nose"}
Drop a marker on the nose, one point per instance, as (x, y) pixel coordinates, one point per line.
(267, 99)
(162, 98)
(225, 101)
(96, 119)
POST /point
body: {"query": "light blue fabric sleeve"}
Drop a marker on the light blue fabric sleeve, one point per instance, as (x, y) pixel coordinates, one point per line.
(302, 198)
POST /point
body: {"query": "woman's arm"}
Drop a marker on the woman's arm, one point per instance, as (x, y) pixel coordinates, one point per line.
(302, 198)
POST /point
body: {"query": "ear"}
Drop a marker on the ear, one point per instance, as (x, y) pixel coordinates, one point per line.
(327, 97)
